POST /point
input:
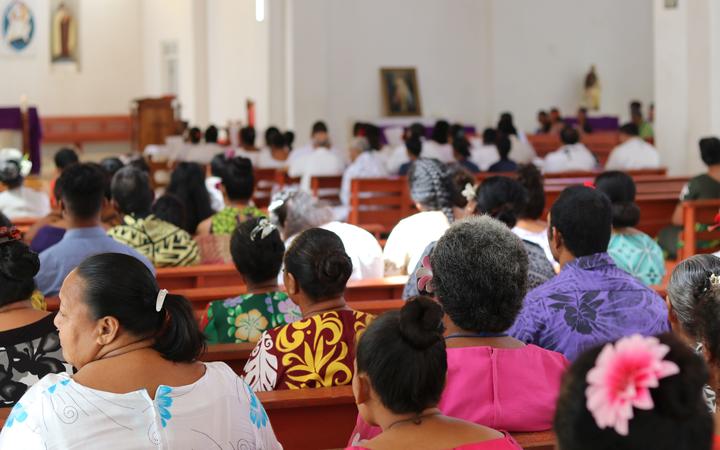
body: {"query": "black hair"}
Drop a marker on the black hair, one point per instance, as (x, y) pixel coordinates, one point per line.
(431, 186)
(218, 164)
(403, 354)
(503, 145)
(132, 192)
(532, 180)
(489, 136)
(501, 198)
(462, 146)
(247, 136)
(461, 177)
(414, 145)
(238, 178)
(211, 134)
(417, 129)
(635, 106)
(319, 127)
(620, 189)
(269, 133)
(678, 420)
(18, 267)
(257, 258)
(64, 157)
(170, 209)
(582, 109)
(121, 286)
(358, 128)
(710, 150)
(4, 221)
(569, 135)
(505, 124)
(457, 131)
(111, 165)
(373, 134)
(141, 164)
(277, 141)
(187, 182)
(82, 188)
(584, 218)
(441, 132)
(630, 129)
(195, 135)
(289, 138)
(318, 261)
(10, 174)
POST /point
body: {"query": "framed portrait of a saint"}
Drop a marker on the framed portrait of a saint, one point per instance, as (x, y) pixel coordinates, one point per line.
(401, 96)
(18, 27)
(64, 42)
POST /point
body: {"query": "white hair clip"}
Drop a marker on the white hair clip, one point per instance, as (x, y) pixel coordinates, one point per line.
(469, 192)
(714, 280)
(263, 229)
(162, 293)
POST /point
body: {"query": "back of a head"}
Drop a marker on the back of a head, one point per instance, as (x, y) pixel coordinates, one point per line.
(64, 157)
(238, 179)
(503, 145)
(457, 131)
(247, 136)
(18, 267)
(170, 209)
(82, 188)
(505, 124)
(11, 173)
(4, 221)
(462, 146)
(319, 127)
(132, 192)
(440, 132)
(277, 141)
(635, 107)
(211, 134)
(414, 145)
(319, 264)
(569, 135)
(710, 150)
(532, 180)
(296, 211)
(373, 134)
(257, 250)
(630, 129)
(480, 274)
(187, 182)
(195, 135)
(584, 218)
(461, 178)
(501, 198)
(111, 165)
(431, 186)
(218, 164)
(121, 286)
(269, 133)
(489, 136)
(417, 129)
(620, 189)
(289, 137)
(678, 419)
(403, 355)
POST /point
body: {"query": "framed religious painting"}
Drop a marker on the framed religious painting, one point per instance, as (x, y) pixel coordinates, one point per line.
(64, 36)
(18, 27)
(401, 96)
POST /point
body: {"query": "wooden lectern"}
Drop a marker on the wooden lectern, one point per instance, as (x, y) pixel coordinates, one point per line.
(153, 119)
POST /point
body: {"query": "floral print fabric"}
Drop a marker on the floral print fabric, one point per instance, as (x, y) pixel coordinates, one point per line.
(246, 317)
(315, 352)
(226, 220)
(589, 303)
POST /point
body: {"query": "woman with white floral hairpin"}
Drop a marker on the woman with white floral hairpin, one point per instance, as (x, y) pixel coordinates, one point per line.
(635, 393)
(257, 251)
(139, 383)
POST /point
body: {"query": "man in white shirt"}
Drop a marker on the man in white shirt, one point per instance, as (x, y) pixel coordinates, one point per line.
(18, 200)
(319, 138)
(633, 153)
(320, 161)
(484, 154)
(573, 155)
(367, 163)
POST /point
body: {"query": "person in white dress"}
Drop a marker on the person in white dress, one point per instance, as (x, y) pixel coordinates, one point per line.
(633, 153)
(366, 163)
(139, 383)
(432, 190)
(247, 148)
(485, 153)
(521, 151)
(295, 211)
(573, 155)
(19, 200)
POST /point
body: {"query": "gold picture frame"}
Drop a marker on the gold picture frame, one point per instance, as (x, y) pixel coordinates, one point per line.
(401, 96)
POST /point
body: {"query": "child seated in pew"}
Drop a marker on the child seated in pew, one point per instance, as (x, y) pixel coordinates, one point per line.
(635, 393)
(400, 375)
(317, 351)
(478, 272)
(257, 251)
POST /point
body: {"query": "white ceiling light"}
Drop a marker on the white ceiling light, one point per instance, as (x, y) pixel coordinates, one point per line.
(259, 10)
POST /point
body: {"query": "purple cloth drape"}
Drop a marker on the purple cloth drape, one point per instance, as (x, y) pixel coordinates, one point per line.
(11, 119)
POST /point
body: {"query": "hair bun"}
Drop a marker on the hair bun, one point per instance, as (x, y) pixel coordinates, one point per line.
(18, 262)
(334, 266)
(625, 214)
(421, 323)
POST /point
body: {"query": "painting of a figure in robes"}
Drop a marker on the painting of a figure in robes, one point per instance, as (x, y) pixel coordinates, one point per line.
(400, 92)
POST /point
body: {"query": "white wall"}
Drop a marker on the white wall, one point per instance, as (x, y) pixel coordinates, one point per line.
(110, 40)
(542, 50)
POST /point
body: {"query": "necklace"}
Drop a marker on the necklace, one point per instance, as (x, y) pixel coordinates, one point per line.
(417, 420)
(475, 335)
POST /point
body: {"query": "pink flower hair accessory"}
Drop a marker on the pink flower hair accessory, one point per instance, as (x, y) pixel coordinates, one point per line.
(621, 380)
(424, 276)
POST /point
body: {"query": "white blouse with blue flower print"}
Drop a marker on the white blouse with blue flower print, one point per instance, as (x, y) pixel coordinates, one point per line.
(218, 411)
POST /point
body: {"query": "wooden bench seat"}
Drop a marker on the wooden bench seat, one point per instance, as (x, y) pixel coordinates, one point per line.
(699, 212)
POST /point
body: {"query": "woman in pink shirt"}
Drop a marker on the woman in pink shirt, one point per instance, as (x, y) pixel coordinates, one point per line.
(478, 273)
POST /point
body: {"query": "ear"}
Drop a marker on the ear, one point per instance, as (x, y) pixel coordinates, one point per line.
(363, 390)
(291, 285)
(672, 315)
(556, 239)
(107, 330)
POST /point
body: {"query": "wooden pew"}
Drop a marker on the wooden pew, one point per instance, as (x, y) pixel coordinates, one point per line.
(264, 183)
(204, 275)
(78, 130)
(379, 203)
(326, 188)
(24, 223)
(699, 212)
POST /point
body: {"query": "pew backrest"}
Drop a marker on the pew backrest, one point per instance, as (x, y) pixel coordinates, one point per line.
(699, 234)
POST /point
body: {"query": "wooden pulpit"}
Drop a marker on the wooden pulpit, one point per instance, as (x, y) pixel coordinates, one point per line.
(153, 120)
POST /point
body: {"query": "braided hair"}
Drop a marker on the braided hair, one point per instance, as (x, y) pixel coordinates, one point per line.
(431, 186)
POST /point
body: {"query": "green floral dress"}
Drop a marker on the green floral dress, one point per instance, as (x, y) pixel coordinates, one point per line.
(244, 318)
(225, 220)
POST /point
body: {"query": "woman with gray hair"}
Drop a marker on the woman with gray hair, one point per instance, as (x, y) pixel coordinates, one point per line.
(295, 211)
(434, 193)
(478, 273)
(693, 298)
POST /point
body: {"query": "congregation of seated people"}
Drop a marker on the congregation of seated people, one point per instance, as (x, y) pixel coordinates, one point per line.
(520, 314)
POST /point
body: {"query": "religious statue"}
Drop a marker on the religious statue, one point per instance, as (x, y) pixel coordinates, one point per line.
(18, 24)
(592, 90)
(64, 39)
